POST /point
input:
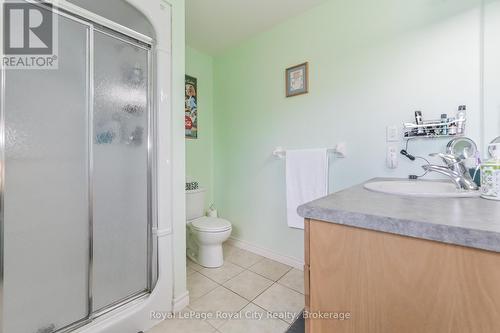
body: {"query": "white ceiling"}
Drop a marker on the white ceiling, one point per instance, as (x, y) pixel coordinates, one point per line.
(214, 25)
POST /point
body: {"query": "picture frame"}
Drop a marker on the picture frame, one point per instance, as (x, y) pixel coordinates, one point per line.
(297, 80)
(191, 108)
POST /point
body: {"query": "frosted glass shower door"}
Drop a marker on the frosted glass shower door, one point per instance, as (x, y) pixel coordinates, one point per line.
(46, 196)
(120, 172)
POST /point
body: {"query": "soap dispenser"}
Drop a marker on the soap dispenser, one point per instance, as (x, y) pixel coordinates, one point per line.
(490, 174)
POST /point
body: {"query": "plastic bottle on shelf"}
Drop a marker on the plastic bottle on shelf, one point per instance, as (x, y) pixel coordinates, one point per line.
(419, 120)
(452, 128)
(444, 124)
(461, 116)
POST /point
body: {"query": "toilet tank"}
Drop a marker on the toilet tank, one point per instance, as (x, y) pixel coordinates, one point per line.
(195, 204)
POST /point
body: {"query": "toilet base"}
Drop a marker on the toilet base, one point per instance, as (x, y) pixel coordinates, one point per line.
(210, 256)
(205, 248)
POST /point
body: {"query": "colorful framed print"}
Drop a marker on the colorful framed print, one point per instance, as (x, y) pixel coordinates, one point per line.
(191, 108)
(297, 80)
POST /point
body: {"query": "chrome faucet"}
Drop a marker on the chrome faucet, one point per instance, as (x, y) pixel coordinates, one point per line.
(455, 169)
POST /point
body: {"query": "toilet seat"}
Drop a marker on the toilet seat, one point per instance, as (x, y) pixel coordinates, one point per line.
(211, 224)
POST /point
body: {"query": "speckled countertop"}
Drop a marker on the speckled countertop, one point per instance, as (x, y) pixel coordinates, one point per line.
(471, 222)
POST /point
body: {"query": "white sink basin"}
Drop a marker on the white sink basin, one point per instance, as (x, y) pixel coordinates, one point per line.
(420, 188)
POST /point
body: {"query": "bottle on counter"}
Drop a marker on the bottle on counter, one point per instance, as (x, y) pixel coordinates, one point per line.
(490, 175)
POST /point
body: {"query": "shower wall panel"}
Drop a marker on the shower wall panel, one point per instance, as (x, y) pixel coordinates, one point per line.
(120, 170)
(77, 187)
(46, 197)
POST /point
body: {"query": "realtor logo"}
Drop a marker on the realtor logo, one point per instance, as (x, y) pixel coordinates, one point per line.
(29, 36)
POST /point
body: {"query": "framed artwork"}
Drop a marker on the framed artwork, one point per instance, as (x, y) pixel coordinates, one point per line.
(297, 80)
(191, 108)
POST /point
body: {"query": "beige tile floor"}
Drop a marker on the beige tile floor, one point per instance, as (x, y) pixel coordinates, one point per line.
(249, 293)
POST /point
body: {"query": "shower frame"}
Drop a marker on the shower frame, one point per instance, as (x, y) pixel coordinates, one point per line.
(97, 23)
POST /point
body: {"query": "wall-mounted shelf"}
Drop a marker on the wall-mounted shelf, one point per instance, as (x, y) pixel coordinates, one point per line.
(435, 129)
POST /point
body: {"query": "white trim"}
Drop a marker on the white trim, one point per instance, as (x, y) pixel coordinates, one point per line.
(162, 232)
(287, 260)
(179, 303)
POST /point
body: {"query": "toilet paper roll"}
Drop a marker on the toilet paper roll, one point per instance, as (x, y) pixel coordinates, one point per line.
(213, 213)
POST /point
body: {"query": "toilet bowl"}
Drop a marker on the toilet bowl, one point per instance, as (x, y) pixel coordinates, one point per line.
(205, 235)
(208, 234)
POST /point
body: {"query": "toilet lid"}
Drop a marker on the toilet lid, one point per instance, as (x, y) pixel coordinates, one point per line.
(211, 224)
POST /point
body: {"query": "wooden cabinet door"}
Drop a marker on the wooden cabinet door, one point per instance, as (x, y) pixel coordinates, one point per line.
(389, 283)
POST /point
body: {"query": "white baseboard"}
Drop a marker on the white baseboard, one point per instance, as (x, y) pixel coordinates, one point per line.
(179, 303)
(290, 261)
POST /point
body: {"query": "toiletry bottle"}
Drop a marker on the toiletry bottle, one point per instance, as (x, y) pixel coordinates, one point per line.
(490, 175)
(452, 128)
(444, 124)
(419, 120)
(461, 115)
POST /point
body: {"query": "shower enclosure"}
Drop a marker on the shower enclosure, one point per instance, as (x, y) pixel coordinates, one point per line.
(77, 205)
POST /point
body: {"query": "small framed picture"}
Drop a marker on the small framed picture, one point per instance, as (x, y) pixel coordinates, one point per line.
(191, 108)
(297, 80)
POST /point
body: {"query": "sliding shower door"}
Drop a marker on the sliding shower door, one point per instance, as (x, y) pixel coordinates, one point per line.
(76, 200)
(46, 190)
(120, 173)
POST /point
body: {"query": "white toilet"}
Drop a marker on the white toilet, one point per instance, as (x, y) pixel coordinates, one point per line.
(205, 235)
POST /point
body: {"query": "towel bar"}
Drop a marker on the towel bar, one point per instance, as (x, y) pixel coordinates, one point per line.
(340, 151)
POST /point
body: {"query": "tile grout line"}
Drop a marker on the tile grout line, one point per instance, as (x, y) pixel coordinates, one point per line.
(225, 322)
(247, 269)
(278, 282)
(269, 278)
(262, 259)
(247, 301)
(265, 277)
(190, 300)
(261, 294)
(208, 277)
(260, 307)
(251, 301)
(269, 311)
(243, 271)
(221, 285)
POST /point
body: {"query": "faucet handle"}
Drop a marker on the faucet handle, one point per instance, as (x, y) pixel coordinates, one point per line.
(449, 159)
(454, 162)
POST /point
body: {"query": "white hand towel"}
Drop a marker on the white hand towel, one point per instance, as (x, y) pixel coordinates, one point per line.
(306, 180)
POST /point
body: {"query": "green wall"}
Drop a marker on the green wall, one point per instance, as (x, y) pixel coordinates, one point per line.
(199, 152)
(372, 64)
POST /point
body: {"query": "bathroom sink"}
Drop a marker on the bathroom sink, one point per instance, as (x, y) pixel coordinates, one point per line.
(420, 188)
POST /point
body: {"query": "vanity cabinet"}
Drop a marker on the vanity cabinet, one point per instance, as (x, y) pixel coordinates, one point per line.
(392, 283)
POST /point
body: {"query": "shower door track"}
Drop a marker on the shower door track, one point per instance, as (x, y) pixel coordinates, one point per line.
(95, 23)
(94, 19)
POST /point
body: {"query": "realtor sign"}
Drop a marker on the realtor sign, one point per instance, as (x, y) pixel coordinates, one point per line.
(29, 36)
